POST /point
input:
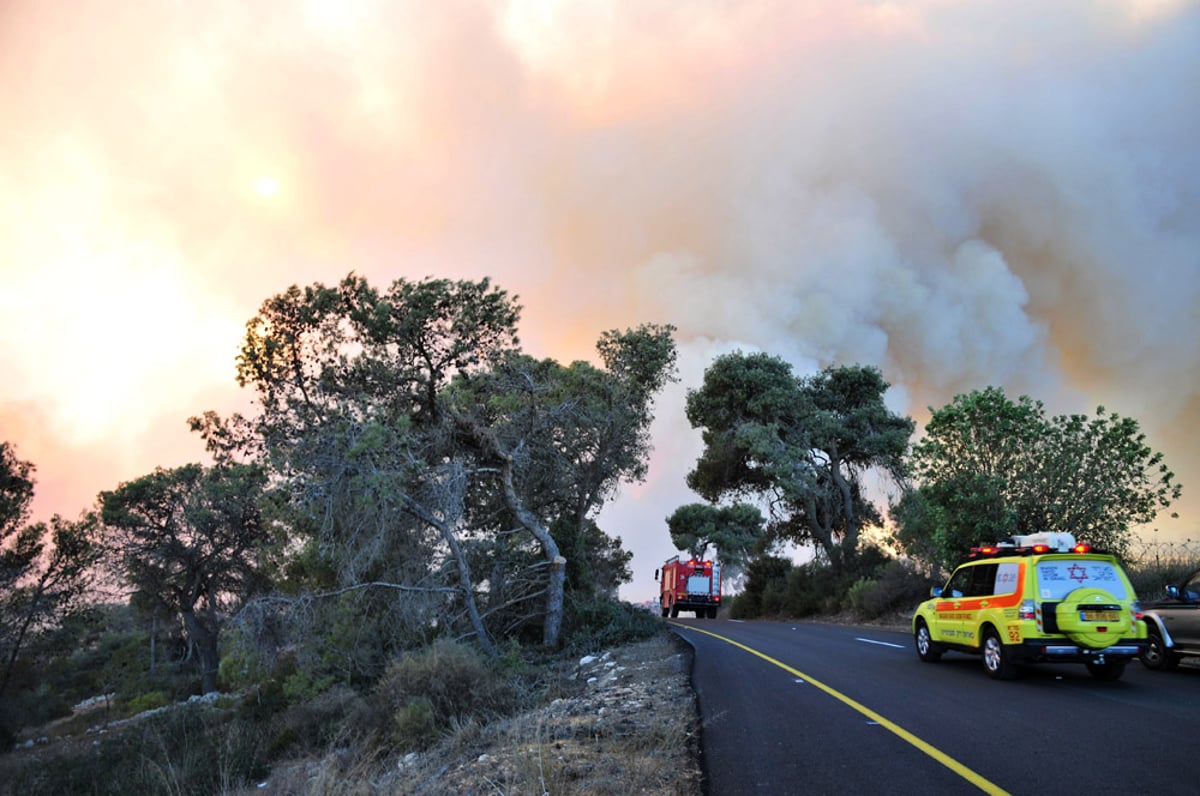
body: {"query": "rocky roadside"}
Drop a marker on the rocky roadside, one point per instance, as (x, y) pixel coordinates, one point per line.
(626, 723)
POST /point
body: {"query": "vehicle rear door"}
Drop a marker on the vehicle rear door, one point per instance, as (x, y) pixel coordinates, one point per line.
(1182, 619)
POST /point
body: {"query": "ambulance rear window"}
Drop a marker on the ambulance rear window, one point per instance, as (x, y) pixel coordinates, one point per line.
(1059, 577)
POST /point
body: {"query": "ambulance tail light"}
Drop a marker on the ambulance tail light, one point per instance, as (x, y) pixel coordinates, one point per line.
(1027, 610)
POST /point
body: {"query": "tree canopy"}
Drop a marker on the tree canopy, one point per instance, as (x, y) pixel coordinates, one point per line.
(46, 570)
(801, 444)
(735, 531)
(190, 540)
(410, 433)
(989, 467)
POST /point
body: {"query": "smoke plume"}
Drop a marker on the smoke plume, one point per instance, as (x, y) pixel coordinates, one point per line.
(964, 194)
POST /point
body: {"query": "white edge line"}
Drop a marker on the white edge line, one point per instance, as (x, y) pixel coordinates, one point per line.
(881, 643)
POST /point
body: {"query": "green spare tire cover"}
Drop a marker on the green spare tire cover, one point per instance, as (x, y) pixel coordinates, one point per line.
(1083, 616)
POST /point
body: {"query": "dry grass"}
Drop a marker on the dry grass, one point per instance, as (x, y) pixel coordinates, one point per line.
(625, 723)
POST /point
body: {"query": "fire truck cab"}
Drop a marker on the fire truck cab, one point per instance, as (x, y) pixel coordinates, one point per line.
(691, 585)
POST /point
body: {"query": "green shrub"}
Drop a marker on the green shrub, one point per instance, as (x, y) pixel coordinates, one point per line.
(147, 701)
(815, 588)
(897, 587)
(430, 689)
(765, 585)
(415, 726)
(860, 594)
(303, 686)
(592, 623)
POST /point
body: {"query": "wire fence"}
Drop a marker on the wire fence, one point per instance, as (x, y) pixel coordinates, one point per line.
(1163, 553)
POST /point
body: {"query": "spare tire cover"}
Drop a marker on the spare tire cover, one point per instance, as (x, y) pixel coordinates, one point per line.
(1094, 632)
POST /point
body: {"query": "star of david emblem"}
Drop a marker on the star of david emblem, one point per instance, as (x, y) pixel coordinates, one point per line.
(1076, 572)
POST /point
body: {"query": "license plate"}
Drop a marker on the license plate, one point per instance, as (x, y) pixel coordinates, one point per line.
(1099, 616)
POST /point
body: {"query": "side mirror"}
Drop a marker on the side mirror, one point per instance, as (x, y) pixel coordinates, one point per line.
(656, 574)
(1173, 592)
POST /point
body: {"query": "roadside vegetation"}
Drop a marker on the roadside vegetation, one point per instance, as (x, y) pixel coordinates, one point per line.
(389, 578)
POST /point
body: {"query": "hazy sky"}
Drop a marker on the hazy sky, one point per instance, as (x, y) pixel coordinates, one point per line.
(964, 193)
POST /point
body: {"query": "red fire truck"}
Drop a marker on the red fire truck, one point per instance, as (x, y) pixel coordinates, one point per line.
(691, 585)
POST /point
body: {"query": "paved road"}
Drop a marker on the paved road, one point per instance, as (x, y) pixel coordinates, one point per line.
(804, 708)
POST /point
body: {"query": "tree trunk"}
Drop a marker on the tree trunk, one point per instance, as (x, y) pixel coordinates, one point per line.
(464, 571)
(26, 622)
(552, 626)
(818, 526)
(468, 588)
(850, 539)
(205, 642)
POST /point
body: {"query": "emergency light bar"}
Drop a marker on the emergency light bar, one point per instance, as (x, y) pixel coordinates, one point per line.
(1033, 544)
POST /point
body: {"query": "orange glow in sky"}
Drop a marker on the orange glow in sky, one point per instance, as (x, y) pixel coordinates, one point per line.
(963, 193)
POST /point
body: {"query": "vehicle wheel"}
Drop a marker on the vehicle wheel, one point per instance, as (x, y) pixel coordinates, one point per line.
(1156, 655)
(674, 611)
(712, 613)
(665, 611)
(996, 659)
(927, 650)
(1108, 671)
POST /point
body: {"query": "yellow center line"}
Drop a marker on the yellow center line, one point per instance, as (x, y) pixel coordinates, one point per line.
(946, 760)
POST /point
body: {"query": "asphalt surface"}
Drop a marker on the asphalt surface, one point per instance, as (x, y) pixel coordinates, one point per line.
(808, 708)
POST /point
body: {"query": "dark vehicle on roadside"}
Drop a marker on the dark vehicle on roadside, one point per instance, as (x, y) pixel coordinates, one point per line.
(1173, 625)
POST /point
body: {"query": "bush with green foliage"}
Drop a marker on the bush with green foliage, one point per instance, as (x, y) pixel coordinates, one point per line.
(151, 700)
(758, 598)
(815, 588)
(876, 585)
(898, 586)
(596, 623)
(428, 690)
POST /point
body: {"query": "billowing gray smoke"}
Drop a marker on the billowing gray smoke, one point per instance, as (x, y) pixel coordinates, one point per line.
(965, 194)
